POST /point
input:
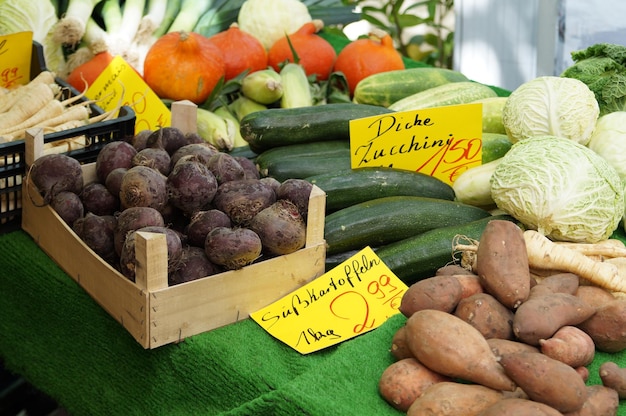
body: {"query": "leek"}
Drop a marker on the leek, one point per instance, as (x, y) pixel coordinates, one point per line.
(189, 14)
(70, 29)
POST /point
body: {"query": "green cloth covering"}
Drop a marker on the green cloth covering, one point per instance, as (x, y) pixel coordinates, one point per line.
(60, 340)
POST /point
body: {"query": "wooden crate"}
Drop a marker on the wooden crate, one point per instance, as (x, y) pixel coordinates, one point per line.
(153, 313)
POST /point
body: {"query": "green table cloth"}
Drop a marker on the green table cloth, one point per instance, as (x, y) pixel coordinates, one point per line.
(55, 336)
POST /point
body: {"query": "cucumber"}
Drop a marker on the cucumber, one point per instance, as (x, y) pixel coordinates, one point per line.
(419, 257)
(385, 220)
(385, 88)
(495, 145)
(275, 127)
(473, 187)
(447, 94)
(351, 186)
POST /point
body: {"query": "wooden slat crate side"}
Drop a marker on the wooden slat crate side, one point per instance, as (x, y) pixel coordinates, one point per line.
(120, 297)
(202, 305)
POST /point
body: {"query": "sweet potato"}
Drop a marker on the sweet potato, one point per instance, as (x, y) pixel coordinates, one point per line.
(514, 406)
(607, 326)
(483, 311)
(452, 347)
(405, 380)
(557, 283)
(542, 315)
(399, 346)
(438, 292)
(601, 401)
(594, 295)
(546, 380)
(451, 269)
(470, 284)
(570, 345)
(583, 372)
(501, 346)
(614, 377)
(502, 263)
(449, 398)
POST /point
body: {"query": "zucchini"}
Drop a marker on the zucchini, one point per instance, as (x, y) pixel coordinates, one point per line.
(492, 114)
(385, 88)
(473, 187)
(284, 126)
(299, 161)
(447, 94)
(385, 220)
(351, 186)
(495, 145)
(419, 257)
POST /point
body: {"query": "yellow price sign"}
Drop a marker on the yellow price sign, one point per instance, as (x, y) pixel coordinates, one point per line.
(442, 141)
(353, 298)
(119, 83)
(15, 58)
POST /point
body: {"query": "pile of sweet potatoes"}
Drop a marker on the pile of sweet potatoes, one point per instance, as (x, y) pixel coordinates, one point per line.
(500, 339)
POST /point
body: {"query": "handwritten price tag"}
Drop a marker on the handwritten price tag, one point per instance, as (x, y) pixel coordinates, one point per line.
(353, 298)
(442, 141)
(15, 57)
(120, 83)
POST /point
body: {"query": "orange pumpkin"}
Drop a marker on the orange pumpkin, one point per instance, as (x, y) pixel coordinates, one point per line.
(367, 56)
(316, 55)
(183, 66)
(241, 51)
(85, 74)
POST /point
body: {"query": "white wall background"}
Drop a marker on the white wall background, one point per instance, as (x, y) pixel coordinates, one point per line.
(508, 42)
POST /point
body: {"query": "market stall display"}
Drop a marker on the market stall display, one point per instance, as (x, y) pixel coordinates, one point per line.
(503, 240)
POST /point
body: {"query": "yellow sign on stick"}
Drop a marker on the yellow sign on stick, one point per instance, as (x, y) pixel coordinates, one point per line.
(15, 57)
(119, 84)
(351, 299)
(441, 141)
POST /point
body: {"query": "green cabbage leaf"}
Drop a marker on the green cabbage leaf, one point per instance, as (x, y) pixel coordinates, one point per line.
(603, 68)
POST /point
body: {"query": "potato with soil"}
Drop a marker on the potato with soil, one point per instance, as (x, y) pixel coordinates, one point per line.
(487, 315)
(543, 314)
(193, 264)
(449, 398)
(502, 263)
(116, 154)
(155, 158)
(280, 228)
(232, 248)
(405, 380)
(68, 206)
(97, 232)
(242, 200)
(202, 222)
(570, 345)
(132, 219)
(438, 292)
(201, 151)
(225, 168)
(191, 187)
(297, 191)
(169, 139)
(546, 380)
(113, 181)
(97, 198)
(143, 187)
(128, 261)
(607, 326)
(56, 173)
(249, 167)
(452, 347)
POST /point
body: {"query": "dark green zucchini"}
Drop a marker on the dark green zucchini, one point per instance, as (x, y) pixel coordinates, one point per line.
(299, 161)
(419, 257)
(274, 127)
(351, 186)
(384, 220)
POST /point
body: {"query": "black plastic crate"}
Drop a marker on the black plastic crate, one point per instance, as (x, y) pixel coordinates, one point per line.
(12, 161)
